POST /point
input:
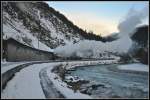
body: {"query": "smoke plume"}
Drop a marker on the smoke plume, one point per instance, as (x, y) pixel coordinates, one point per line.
(132, 19)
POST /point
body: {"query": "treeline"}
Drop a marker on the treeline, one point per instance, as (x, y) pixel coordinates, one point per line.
(141, 37)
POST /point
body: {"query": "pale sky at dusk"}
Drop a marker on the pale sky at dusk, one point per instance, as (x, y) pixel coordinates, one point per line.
(100, 16)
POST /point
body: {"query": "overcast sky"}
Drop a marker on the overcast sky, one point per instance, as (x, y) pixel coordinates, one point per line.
(100, 16)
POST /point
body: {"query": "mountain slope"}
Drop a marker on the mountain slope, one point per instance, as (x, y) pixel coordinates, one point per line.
(29, 22)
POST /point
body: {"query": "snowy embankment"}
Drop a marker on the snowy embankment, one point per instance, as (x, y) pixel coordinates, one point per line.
(63, 87)
(5, 66)
(73, 64)
(134, 67)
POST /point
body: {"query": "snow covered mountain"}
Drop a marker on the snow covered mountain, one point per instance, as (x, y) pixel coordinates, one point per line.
(29, 21)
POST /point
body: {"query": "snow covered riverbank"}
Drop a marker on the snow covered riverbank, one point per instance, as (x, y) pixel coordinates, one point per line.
(73, 64)
(134, 67)
(63, 87)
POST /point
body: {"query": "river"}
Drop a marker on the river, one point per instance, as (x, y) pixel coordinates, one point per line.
(113, 82)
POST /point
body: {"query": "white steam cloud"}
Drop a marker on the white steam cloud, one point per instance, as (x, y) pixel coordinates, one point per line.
(133, 18)
(122, 45)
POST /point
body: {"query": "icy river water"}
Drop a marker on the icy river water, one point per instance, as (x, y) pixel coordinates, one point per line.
(114, 83)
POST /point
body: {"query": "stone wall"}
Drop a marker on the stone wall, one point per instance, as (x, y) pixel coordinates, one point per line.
(16, 51)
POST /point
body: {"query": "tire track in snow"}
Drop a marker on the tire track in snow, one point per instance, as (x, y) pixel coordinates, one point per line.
(47, 85)
(8, 75)
(25, 84)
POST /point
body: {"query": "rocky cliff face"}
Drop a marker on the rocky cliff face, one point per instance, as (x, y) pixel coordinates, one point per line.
(139, 49)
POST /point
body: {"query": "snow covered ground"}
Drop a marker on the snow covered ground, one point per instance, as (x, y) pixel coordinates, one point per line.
(73, 64)
(134, 67)
(5, 66)
(62, 87)
(25, 84)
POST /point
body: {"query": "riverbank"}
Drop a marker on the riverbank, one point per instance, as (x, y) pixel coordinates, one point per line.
(107, 86)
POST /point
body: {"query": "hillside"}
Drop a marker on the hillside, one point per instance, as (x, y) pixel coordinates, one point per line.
(28, 22)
